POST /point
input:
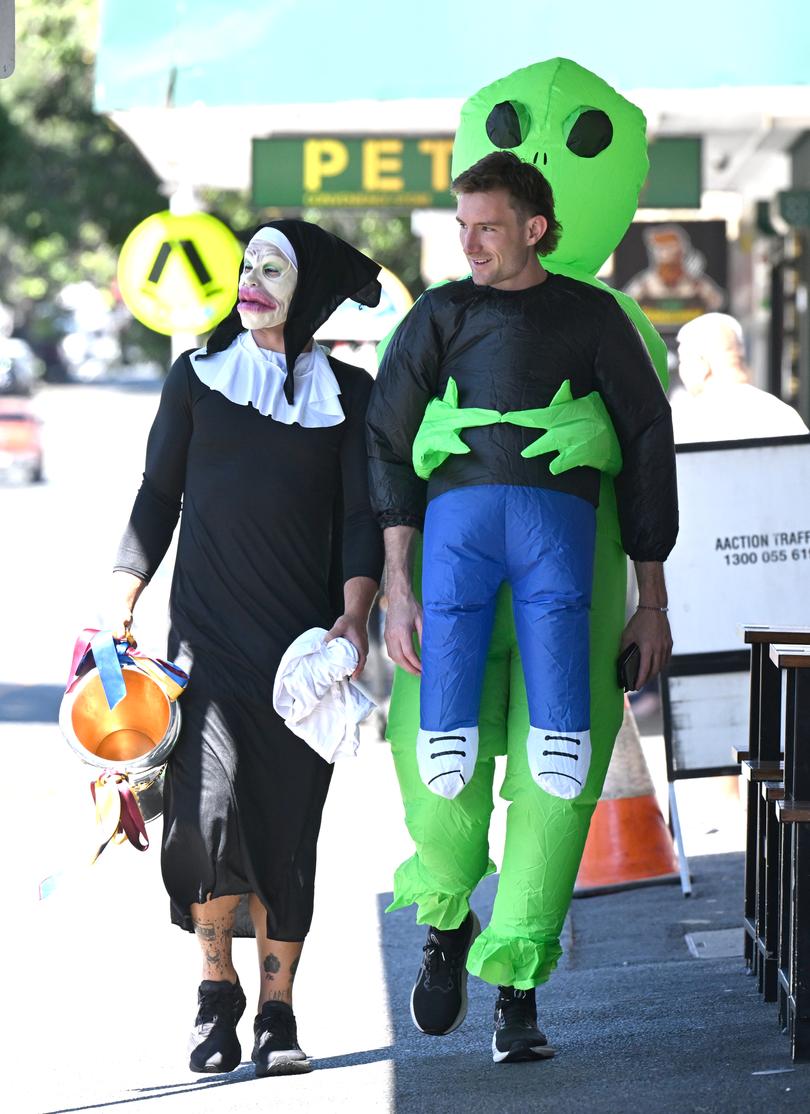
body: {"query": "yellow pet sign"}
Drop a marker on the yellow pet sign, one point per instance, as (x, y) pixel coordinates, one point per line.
(178, 273)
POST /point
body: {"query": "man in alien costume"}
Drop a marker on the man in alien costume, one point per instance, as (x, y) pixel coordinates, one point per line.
(589, 142)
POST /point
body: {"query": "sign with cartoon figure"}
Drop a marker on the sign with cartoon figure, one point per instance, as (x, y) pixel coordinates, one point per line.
(675, 271)
(177, 273)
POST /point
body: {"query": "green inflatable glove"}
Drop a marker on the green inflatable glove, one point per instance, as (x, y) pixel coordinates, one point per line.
(438, 435)
(579, 430)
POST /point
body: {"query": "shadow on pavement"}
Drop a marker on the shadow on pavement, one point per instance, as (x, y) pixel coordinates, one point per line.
(30, 703)
(242, 1074)
(638, 1023)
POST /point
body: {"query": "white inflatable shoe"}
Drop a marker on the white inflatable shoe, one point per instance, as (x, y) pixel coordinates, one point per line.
(559, 760)
(447, 759)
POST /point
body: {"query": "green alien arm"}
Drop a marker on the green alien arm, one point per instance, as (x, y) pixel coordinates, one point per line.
(438, 435)
(579, 431)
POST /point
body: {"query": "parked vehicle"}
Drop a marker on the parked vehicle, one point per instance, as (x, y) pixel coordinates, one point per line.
(20, 440)
(20, 368)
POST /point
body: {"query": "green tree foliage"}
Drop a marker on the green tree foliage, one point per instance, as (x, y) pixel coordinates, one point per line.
(71, 186)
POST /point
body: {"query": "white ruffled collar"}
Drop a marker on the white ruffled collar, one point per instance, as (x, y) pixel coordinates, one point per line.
(246, 374)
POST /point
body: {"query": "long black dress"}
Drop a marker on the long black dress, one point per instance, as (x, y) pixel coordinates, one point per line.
(274, 519)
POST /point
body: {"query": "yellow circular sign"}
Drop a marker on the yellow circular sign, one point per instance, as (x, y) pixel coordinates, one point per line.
(179, 273)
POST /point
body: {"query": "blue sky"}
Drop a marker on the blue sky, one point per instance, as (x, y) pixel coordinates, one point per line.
(292, 51)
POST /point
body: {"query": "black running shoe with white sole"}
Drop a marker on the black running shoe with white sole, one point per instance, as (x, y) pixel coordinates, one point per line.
(214, 1045)
(439, 996)
(516, 1037)
(276, 1050)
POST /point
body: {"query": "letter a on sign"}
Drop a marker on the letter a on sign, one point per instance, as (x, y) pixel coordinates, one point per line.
(178, 274)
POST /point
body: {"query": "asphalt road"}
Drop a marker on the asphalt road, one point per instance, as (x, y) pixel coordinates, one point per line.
(100, 988)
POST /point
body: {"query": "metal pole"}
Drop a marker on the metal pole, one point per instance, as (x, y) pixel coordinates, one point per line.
(683, 865)
(182, 201)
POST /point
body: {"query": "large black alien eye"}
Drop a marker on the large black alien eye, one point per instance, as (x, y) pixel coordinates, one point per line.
(591, 133)
(508, 124)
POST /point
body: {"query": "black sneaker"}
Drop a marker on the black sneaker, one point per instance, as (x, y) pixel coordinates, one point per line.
(439, 996)
(276, 1050)
(214, 1045)
(516, 1035)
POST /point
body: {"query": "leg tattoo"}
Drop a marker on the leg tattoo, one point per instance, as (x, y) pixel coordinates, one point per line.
(213, 927)
(272, 966)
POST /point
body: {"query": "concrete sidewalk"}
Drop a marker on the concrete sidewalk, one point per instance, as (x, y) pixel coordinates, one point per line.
(106, 987)
(638, 1022)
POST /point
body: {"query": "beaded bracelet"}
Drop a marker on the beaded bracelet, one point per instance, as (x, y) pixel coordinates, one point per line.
(646, 607)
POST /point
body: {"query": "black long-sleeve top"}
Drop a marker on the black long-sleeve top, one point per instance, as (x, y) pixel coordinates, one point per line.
(511, 350)
(275, 518)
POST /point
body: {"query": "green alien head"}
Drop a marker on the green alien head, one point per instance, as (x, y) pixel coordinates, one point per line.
(584, 136)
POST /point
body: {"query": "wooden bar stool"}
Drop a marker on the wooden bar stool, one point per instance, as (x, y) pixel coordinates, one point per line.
(768, 890)
(793, 813)
(760, 763)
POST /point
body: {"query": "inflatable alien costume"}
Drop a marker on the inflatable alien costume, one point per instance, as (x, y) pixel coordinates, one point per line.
(589, 142)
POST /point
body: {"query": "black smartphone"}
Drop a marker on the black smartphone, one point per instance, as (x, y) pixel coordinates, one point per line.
(627, 667)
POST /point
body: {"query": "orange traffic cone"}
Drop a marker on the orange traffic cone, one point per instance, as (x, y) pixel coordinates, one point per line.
(628, 844)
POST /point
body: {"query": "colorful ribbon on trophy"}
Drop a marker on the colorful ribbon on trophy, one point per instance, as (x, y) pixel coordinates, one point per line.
(108, 654)
(118, 817)
(165, 673)
(105, 655)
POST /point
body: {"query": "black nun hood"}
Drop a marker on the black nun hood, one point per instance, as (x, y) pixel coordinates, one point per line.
(329, 272)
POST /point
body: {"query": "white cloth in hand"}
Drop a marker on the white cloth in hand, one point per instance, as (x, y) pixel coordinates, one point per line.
(315, 697)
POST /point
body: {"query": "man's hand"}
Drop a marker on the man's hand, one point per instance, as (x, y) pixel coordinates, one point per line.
(650, 631)
(402, 619)
(649, 628)
(355, 629)
(403, 615)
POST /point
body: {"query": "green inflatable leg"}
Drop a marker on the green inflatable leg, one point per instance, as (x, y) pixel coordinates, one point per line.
(545, 835)
(451, 837)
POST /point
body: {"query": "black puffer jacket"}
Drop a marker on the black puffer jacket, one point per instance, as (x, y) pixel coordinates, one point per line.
(511, 350)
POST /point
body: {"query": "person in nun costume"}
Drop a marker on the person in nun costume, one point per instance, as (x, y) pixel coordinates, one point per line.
(260, 435)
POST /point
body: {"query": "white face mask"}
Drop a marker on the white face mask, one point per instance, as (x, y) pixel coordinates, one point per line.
(266, 285)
